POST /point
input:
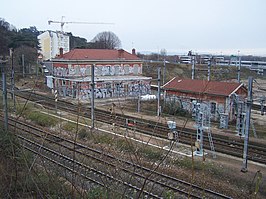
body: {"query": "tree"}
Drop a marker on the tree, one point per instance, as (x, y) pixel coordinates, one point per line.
(25, 37)
(7, 31)
(30, 57)
(105, 40)
(77, 42)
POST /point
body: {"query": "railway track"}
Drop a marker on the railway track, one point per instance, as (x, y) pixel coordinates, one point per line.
(100, 168)
(222, 143)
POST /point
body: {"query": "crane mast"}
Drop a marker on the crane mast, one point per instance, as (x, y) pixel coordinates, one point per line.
(62, 23)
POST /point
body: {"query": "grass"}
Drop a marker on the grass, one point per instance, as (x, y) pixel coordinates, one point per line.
(102, 193)
(260, 131)
(23, 109)
(103, 139)
(41, 119)
(151, 153)
(186, 163)
(29, 112)
(69, 126)
(125, 145)
(218, 73)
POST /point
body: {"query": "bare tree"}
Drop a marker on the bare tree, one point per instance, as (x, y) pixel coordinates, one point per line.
(106, 40)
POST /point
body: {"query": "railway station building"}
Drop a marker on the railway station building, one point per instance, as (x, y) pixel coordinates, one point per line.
(221, 96)
(117, 73)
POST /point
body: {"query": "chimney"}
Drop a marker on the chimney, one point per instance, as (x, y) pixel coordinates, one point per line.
(61, 52)
(120, 53)
(133, 51)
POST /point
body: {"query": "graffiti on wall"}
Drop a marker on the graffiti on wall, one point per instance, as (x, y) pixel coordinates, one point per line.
(115, 89)
(187, 104)
(72, 71)
(75, 70)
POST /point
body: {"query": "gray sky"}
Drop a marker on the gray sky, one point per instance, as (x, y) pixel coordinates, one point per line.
(216, 26)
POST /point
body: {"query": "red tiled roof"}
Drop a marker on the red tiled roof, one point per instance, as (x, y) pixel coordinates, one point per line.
(202, 86)
(97, 54)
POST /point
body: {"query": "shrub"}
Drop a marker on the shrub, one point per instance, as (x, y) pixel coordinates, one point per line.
(82, 134)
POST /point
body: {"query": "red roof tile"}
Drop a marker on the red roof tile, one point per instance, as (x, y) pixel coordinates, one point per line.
(97, 54)
(202, 86)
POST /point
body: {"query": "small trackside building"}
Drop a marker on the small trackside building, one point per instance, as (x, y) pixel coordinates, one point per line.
(220, 95)
(117, 73)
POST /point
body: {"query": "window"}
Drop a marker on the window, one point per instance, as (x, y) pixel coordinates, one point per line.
(213, 108)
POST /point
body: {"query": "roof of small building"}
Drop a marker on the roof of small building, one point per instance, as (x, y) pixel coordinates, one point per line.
(98, 54)
(202, 86)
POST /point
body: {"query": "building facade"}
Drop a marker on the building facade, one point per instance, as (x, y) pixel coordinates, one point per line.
(220, 95)
(51, 42)
(117, 73)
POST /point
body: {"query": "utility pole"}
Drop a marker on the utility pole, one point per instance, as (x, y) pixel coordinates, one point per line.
(193, 67)
(248, 114)
(12, 78)
(23, 65)
(92, 95)
(209, 68)
(139, 98)
(262, 101)
(56, 99)
(164, 70)
(238, 69)
(37, 68)
(159, 92)
(199, 126)
(4, 96)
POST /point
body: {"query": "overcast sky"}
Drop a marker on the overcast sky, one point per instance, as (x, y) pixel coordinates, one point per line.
(216, 26)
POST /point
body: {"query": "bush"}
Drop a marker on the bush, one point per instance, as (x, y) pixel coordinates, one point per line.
(176, 110)
(17, 180)
(82, 134)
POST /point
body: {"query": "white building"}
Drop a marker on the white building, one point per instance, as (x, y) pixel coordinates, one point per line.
(185, 59)
(51, 42)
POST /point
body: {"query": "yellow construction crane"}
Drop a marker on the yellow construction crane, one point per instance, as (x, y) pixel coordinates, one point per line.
(62, 23)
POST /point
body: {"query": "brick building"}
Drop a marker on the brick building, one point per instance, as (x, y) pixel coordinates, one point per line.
(220, 95)
(117, 74)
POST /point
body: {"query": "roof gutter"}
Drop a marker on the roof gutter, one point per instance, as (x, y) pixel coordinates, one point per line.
(168, 82)
(92, 61)
(197, 93)
(236, 89)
